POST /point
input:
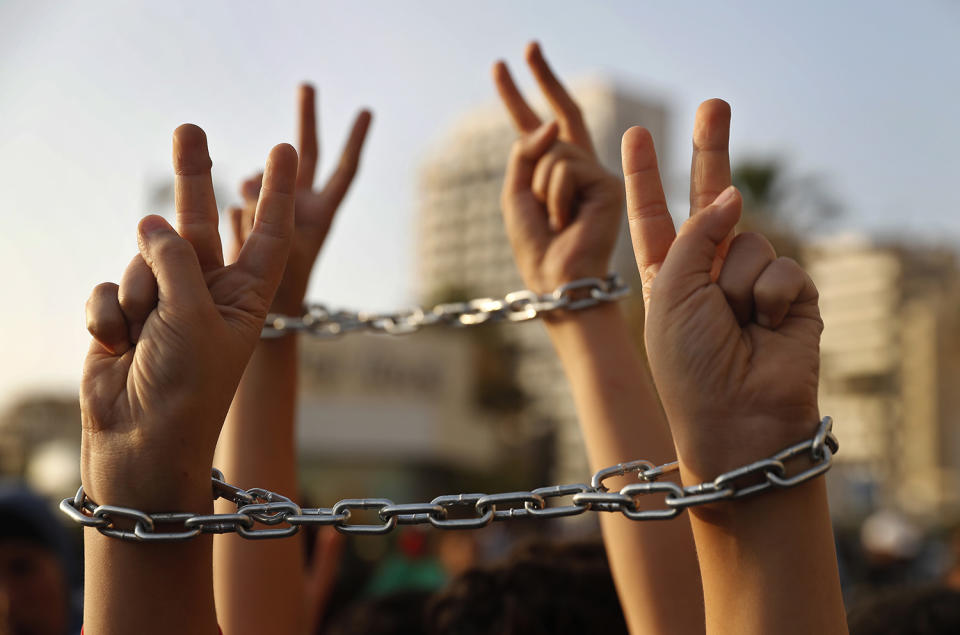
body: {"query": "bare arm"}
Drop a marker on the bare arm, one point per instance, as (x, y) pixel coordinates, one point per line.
(257, 446)
(621, 420)
(563, 212)
(733, 337)
(170, 344)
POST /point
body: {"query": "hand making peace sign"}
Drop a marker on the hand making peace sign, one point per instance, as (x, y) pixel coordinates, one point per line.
(562, 209)
(315, 208)
(732, 335)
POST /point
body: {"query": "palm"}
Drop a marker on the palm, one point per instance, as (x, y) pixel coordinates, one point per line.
(174, 349)
(712, 344)
(180, 325)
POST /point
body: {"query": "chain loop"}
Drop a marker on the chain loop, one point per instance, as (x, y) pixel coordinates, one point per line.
(262, 507)
(517, 306)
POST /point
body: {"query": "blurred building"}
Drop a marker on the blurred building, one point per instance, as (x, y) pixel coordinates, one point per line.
(405, 416)
(889, 374)
(392, 398)
(463, 244)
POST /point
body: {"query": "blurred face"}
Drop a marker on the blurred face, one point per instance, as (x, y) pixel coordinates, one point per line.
(33, 590)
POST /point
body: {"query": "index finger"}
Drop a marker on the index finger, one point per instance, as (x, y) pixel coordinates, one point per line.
(264, 253)
(524, 119)
(307, 144)
(342, 177)
(568, 113)
(651, 226)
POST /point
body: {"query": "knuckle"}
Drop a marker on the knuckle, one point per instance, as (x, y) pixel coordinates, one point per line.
(791, 265)
(562, 169)
(753, 241)
(171, 248)
(102, 309)
(648, 210)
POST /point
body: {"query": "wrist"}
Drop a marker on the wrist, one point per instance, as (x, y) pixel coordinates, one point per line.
(708, 447)
(730, 487)
(109, 479)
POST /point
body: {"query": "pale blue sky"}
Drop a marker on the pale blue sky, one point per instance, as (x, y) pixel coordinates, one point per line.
(863, 93)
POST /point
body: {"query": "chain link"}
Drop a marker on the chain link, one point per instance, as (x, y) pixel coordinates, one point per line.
(259, 511)
(518, 306)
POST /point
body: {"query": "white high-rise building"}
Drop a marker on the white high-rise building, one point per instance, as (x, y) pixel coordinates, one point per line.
(463, 244)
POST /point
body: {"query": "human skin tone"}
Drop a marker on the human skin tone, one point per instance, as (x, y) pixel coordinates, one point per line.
(169, 346)
(257, 444)
(563, 212)
(733, 335)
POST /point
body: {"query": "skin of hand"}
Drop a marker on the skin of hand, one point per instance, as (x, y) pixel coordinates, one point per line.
(315, 208)
(561, 207)
(257, 445)
(734, 352)
(197, 322)
(169, 347)
(732, 334)
(563, 211)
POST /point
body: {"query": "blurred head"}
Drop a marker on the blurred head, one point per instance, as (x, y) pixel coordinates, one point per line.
(35, 566)
(908, 611)
(399, 613)
(542, 588)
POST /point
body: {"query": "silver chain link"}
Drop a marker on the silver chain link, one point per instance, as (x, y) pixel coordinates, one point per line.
(260, 511)
(518, 306)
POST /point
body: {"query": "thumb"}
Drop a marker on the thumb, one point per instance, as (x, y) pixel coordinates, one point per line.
(173, 261)
(689, 262)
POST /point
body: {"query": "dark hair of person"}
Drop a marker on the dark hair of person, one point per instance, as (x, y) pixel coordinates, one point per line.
(908, 611)
(398, 613)
(543, 588)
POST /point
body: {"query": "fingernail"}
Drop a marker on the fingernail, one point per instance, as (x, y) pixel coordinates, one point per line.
(763, 320)
(725, 196)
(152, 224)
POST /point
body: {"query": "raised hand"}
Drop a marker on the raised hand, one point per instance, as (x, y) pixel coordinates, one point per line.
(169, 347)
(561, 207)
(733, 341)
(257, 445)
(733, 338)
(562, 211)
(171, 342)
(315, 208)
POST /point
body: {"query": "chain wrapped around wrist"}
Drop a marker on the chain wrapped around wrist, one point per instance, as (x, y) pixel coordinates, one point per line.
(268, 509)
(517, 306)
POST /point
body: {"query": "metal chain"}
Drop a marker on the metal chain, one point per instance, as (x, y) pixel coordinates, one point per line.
(259, 511)
(518, 306)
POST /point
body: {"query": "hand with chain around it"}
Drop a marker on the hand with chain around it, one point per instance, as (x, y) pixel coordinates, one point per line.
(733, 334)
(153, 397)
(563, 213)
(257, 444)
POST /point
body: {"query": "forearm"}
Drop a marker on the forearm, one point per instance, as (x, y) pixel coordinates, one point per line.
(769, 564)
(257, 449)
(621, 420)
(131, 587)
